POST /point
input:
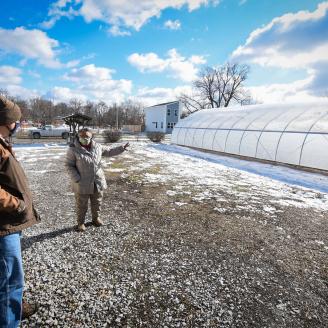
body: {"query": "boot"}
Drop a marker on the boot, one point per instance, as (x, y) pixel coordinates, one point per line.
(97, 222)
(81, 227)
(28, 309)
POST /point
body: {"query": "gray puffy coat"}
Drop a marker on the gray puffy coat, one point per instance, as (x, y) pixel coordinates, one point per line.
(84, 167)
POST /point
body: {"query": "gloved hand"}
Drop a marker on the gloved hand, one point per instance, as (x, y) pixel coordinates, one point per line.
(126, 146)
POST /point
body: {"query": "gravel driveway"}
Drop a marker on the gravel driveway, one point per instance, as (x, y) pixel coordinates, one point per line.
(187, 243)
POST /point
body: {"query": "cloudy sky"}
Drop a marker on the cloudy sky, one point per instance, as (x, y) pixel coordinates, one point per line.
(151, 50)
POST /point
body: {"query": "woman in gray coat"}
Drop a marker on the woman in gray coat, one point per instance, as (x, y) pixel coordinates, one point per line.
(83, 161)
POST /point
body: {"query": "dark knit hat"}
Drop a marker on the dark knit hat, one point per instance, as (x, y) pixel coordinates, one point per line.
(9, 111)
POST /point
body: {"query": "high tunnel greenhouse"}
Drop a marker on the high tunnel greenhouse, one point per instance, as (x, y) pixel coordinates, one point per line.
(294, 134)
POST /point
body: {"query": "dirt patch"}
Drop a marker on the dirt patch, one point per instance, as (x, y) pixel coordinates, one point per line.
(228, 266)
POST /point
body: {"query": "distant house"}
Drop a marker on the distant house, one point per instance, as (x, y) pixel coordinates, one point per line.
(162, 117)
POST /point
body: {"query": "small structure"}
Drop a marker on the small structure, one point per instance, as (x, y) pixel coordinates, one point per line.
(75, 123)
(162, 117)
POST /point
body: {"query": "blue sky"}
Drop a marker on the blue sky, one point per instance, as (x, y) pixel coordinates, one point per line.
(115, 50)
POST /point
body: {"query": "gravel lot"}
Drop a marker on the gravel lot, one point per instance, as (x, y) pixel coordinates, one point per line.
(187, 243)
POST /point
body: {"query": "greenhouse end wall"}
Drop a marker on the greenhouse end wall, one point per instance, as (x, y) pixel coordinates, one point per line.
(294, 134)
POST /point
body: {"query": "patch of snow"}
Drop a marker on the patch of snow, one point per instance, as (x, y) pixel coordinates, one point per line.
(116, 170)
(220, 210)
(269, 209)
(180, 203)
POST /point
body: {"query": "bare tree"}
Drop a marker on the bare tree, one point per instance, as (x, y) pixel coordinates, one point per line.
(132, 112)
(4, 92)
(100, 109)
(193, 102)
(41, 110)
(76, 105)
(62, 109)
(218, 87)
(24, 107)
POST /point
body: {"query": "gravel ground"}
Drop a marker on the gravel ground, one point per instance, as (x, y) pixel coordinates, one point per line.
(177, 250)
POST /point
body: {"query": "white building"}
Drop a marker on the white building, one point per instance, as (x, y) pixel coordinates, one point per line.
(162, 117)
(294, 134)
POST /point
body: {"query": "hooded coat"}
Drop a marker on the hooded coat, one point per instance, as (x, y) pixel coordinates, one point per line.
(84, 166)
(14, 192)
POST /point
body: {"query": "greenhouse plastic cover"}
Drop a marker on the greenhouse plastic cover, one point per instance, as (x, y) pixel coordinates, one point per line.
(295, 134)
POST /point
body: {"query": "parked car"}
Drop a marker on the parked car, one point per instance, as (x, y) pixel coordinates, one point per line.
(49, 131)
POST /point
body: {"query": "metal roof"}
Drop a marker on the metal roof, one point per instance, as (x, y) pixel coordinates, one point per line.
(162, 104)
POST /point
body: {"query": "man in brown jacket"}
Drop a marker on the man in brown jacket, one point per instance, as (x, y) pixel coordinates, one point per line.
(16, 213)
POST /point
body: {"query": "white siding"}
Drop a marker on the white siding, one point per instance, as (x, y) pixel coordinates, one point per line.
(155, 114)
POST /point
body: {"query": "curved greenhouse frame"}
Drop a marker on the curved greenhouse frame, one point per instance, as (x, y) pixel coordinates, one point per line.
(295, 134)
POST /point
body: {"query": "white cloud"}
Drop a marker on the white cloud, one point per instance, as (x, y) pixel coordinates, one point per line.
(31, 44)
(297, 91)
(22, 92)
(152, 96)
(34, 74)
(147, 63)
(59, 9)
(319, 81)
(97, 83)
(116, 31)
(118, 14)
(292, 41)
(175, 65)
(10, 80)
(90, 73)
(289, 41)
(63, 94)
(9, 75)
(173, 25)
(72, 63)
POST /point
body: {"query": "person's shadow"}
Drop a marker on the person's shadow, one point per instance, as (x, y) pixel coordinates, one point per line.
(29, 241)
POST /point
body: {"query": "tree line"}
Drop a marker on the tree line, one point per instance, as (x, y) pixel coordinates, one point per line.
(45, 111)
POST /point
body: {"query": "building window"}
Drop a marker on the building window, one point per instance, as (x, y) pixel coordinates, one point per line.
(161, 125)
(155, 124)
(176, 112)
(170, 125)
(168, 112)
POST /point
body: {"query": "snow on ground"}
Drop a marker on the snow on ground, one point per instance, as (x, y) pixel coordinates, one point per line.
(190, 240)
(209, 174)
(249, 181)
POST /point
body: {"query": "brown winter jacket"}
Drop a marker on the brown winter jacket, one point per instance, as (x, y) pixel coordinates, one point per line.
(16, 207)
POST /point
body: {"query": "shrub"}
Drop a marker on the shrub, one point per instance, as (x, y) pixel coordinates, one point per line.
(112, 136)
(156, 136)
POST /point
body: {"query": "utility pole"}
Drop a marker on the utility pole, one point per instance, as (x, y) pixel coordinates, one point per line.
(116, 118)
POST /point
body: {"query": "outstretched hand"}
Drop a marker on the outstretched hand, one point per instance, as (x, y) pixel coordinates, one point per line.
(126, 146)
